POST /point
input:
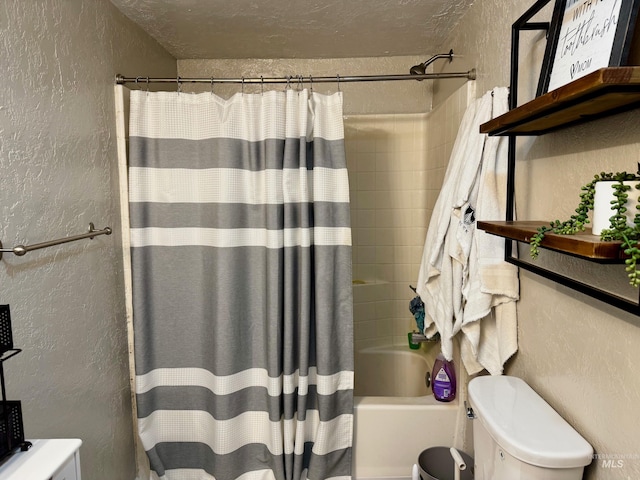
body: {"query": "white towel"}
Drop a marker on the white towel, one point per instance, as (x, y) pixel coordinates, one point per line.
(464, 282)
(440, 277)
(491, 341)
(490, 337)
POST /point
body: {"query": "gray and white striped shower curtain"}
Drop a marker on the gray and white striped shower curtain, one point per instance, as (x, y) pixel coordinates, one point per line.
(241, 261)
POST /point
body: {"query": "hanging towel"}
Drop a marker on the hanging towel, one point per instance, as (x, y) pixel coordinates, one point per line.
(440, 276)
(463, 279)
(492, 288)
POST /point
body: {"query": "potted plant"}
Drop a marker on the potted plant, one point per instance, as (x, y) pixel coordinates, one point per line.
(624, 225)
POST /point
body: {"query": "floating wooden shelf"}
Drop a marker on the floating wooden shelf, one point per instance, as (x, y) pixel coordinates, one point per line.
(598, 94)
(582, 244)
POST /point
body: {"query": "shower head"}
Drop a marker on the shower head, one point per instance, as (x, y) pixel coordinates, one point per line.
(418, 69)
(421, 69)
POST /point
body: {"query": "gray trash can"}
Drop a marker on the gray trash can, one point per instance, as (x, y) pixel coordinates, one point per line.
(436, 463)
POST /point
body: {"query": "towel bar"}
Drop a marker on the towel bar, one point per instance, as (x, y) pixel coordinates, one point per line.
(21, 250)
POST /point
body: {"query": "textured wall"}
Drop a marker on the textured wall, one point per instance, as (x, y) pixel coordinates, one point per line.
(580, 354)
(57, 152)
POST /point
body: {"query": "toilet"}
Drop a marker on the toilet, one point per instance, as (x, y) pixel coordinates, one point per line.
(518, 436)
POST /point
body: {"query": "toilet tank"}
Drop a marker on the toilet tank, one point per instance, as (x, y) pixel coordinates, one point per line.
(518, 436)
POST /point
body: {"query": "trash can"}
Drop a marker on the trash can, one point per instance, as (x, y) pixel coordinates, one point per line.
(436, 463)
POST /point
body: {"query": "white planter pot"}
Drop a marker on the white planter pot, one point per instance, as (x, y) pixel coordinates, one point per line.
(603, 210)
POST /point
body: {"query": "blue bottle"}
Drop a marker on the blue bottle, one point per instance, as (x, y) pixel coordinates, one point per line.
(443, 380)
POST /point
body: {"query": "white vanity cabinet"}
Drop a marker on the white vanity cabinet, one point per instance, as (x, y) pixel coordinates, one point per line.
(55, 459)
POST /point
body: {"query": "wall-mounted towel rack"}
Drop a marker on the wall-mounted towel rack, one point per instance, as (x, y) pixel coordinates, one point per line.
(21, 250)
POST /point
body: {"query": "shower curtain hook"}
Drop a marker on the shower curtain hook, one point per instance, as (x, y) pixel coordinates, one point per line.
(211, 85)
(242, 86)
(179, 84)
(300, 79)
(288, 87)
(338, 77)
(311, 83)
(147, 85)
(261, 85)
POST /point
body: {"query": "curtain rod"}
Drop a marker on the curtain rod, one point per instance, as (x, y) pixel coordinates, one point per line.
(298, 79)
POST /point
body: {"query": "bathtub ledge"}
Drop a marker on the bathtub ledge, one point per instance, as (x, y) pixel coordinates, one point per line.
(391, 402)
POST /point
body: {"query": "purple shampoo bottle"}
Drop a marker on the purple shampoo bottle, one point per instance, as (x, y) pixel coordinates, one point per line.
(443, 380)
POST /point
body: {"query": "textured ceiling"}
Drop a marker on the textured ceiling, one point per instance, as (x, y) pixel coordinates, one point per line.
(296, 28)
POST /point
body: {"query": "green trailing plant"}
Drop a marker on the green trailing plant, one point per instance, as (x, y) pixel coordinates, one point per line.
(618, 231)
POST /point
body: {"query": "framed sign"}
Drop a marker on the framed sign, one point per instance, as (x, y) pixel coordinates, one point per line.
(584, 36)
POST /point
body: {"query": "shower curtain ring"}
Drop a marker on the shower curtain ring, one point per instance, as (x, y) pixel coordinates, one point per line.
(261, 85)
(338, 77)
(179, 84)
(288, 85)
(311, 83)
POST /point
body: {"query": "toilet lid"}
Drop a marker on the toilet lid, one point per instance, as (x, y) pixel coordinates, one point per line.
(526, 426)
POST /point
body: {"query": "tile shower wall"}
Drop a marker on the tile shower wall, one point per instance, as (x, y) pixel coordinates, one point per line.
(396, 166)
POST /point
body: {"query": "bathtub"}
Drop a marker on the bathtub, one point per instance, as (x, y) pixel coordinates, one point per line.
(396, 416)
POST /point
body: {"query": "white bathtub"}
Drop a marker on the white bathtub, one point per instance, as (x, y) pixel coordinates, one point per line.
(396, 417)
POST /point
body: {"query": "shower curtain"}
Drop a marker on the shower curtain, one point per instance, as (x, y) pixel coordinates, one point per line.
(241, 266)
